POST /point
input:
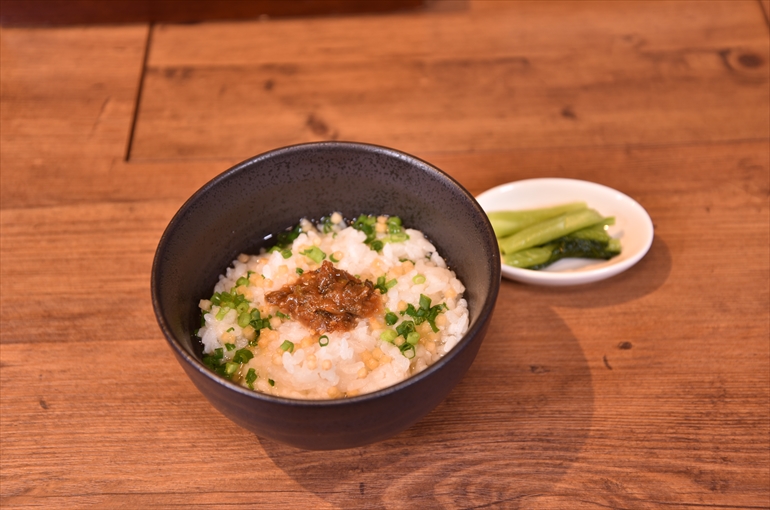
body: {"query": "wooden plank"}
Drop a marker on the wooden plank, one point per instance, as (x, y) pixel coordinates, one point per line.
(542, 74)
(67, 12)
(67, 92)
(647, 390)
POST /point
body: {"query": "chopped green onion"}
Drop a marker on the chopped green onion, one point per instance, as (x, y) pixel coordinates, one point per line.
(300, 270)
(286, 253)
(251, 376)
(241, 281)
(243, 355)
(230, 368)
(218, 353)
(271, 382)
(366, 224)
(244, 319)
(376, 245)
(417, 280)
(397, 237)
(408, 351)
(394, 224)
(281, 315)
(333, 258)
(388, 335)
(412, 338)
(242, 307)
(323, 341)
(405, 328)
(327, 225)
(391, 318)
(285, 238)
(230, 329)
(229, 347)
(383, 286)
(424, 301)
(315, 254)
(222, 312)
(287, 346)
(255, 314)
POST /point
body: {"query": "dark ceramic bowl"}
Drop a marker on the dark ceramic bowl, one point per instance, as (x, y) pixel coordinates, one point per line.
(264, 195)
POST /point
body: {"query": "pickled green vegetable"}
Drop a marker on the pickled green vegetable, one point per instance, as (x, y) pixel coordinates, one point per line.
(506, 223)
(552, 234)
(548, 230)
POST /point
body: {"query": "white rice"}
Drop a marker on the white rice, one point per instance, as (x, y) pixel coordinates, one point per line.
(353, 362)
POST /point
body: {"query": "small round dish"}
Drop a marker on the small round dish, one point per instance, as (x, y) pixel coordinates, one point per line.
(633, 226)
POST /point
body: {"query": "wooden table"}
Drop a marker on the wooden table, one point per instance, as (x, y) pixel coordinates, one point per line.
(648, 390)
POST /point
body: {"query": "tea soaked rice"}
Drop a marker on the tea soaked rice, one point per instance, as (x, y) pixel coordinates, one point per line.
(292, 360)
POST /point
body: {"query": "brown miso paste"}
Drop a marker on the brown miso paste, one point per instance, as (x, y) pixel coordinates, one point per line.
(327, 299)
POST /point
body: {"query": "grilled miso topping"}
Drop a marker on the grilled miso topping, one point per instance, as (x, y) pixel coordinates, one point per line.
(327, 299)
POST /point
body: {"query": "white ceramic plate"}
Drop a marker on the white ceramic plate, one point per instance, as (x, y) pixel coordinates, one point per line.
(633, 226)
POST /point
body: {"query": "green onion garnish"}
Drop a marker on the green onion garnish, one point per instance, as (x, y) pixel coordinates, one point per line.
(243, 355)
(271, 382)
(251, 376)
(418, 279)
(333, 258)
(412, 338)
(391, 318)
(384, 286)
(398, 237)
(315, 254)
(222, 312)
(241, 281)
(285, 238)
(244, 319)
(323, 341)
(230, 368)
(366, 224)
(407, 350)
(394, 224)
(281, 315)
(405, 328)
(300, 270)
(287, 346)
(286, 253)
(388, 335)
(376, 245)
(425, 312)
(229, 347)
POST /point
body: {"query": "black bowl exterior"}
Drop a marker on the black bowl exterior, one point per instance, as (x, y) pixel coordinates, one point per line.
(242, 208)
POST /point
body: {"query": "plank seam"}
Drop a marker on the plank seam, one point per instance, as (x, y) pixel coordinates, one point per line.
(138, 100)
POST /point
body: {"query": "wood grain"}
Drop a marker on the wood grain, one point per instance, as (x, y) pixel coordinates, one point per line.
(553, 74)
(648, 390)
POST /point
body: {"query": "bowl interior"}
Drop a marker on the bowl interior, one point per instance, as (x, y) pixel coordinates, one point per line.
(242, 209)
